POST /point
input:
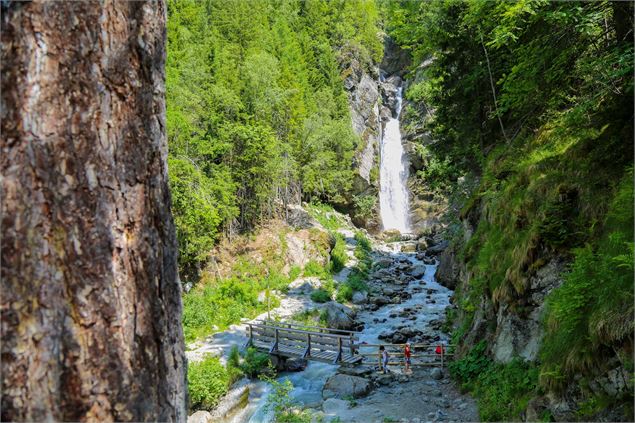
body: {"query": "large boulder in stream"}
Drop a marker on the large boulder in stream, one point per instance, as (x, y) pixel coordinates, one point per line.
(339, 316)
(342, 386)
(360, 297)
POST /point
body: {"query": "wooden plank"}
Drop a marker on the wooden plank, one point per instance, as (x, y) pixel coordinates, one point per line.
(300, 325)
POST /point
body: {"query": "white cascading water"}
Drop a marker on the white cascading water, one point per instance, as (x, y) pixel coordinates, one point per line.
(393, 175)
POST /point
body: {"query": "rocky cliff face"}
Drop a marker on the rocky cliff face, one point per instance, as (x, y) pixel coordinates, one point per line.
(515, 329)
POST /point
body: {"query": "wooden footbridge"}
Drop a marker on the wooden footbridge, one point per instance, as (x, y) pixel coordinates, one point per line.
(335, 346)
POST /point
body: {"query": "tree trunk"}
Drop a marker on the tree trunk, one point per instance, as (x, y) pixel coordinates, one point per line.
(90, 301)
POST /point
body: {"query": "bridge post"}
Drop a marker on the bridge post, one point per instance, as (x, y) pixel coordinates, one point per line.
(307, 352)
(251, 335)
(338, 357)
(274, 347)
(351, 344)
(442, 355)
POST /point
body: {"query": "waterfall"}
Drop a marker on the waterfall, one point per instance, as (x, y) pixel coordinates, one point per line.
(393, 175)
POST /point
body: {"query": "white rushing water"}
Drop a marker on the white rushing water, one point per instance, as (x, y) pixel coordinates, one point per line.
(393, 175)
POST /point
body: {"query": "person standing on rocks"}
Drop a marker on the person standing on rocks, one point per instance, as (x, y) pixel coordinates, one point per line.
(407, 355)
(384, 359)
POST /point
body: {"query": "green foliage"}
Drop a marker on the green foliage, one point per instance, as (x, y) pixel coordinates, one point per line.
(504, 391)
(364, 206)
(313, 268)
(320, 295)
(325, 215)
(207, 381)
(356, 280)
(338, 254)
(234, 358)
(468, 368)
(594, 306)
(215, 304)
(257, 111)
(285, 409)
(256, 363)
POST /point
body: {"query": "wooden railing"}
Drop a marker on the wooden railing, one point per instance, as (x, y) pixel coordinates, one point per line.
(318, 345)
(420, 354)
(321, 344)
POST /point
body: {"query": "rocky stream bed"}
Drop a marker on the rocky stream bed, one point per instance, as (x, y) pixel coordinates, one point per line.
(404, 303)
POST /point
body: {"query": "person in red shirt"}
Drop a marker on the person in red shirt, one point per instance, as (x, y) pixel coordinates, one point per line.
(407, 354)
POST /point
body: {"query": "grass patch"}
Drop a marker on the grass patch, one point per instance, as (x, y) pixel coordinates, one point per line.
(326, 216)
(356, 280)
(214, 305)
(338, 253)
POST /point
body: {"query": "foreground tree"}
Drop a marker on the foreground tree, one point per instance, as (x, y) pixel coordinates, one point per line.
(90, 295)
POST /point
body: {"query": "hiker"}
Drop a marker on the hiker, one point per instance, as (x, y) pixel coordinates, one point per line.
(384, 358)
(406, 354)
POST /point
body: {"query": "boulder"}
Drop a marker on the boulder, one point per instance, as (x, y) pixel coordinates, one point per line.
(304, 285)
(295, 364)
(381, 300)
(436, 373)
(299, 218)
(418, 271)
(409, 247)
(342, 386)
(339, 316)
(448, 271)
(360, 297)
(383, 263)
(200, 416)
(438, 248)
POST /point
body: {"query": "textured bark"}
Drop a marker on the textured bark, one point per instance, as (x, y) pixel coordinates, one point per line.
(90, 294)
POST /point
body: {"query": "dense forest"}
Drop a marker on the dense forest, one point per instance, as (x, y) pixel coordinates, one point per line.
(256, 110)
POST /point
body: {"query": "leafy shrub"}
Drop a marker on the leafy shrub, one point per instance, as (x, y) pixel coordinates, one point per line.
(363, 242)
(468, 368)
(313, 268)
(594, 306)
(344, 293)
(208, 381)
(504, 390)
(320, 296)
(234, 358)
(283, 406)
(255, 363)
(220, 304)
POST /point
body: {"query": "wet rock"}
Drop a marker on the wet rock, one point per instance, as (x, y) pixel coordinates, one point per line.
(309, 399)
(339, 316)
(343, 385)
(360, 297)
(385, 380)
(409, 247)
(418, 271)
(437, 373)
(295, 364)
(438, 248)
(383, 263)
(360, 371)
(381, 300)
